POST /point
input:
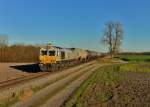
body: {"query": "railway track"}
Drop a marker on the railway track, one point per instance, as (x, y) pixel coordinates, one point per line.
(16, 81)
(12, 82)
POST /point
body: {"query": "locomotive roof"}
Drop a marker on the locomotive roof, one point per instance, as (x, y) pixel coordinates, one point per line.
(67, 49)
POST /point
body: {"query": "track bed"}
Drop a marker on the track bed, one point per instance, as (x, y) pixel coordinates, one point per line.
(10, 71)
(19, 92)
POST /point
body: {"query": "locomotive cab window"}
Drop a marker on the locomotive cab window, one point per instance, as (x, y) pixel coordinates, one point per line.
(43, 52)
(51, 53)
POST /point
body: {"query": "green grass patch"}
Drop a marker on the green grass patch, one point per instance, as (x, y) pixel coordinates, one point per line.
(134, 58)
(135, 67)
(110, 75)
(137, 63)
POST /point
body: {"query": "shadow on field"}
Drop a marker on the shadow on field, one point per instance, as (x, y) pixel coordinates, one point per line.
(30, 68)
(148, 60)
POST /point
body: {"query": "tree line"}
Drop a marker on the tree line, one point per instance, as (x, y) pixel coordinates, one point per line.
(134, 53)
(17, 52)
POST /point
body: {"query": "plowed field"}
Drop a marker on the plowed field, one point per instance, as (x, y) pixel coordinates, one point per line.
(115, 86)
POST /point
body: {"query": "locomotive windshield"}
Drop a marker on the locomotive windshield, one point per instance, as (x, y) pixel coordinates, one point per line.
(43, 52)
(51, 53)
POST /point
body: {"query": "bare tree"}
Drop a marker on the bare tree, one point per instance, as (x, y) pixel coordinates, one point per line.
(113, 36)
(118, 37)
(3, 40)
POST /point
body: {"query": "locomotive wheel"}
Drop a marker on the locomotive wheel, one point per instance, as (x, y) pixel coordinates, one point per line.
(49, 67)
(52, 68)
(56, 67)
(46, 68)
(61, 66)
(43, 67)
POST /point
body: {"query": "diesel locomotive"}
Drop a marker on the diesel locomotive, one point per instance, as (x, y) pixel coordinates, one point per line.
(54, 58)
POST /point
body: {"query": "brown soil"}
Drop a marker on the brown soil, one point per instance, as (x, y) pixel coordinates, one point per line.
(134, 91)
(14, 70)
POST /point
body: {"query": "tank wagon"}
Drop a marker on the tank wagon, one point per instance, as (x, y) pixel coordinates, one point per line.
(53, 58)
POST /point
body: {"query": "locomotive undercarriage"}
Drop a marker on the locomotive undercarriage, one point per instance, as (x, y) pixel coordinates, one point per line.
(63, 64)
(58, 65)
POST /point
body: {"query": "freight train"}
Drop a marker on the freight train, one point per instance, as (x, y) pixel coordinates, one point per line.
(53, 58)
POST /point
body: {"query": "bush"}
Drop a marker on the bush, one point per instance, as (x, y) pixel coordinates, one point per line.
(125, 59)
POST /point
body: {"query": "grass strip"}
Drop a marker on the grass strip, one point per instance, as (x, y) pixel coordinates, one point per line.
(134, 58)
(80, 90)
(136, 67)
(105, 75)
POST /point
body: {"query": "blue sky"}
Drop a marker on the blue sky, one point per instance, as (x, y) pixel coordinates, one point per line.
(75, 23)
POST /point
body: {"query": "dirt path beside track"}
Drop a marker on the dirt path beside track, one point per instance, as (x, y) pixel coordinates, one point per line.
(14, 70)
(50, 89)
(59, 98)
